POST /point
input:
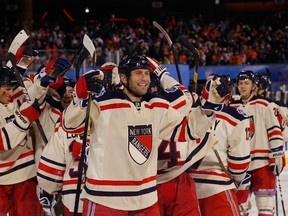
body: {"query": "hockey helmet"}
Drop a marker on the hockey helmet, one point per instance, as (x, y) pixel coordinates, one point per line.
(246, 74)
(263, 82)
(8, 77)
(69, 82)
(133, 62)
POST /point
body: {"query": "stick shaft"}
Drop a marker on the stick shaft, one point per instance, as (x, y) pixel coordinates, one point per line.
(161, 29)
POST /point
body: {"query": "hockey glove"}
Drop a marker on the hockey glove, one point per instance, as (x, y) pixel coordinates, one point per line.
(24, 58)
(111, 76)
(29, 112)
(213, 94)
(243, 189)
(57, 67)
(47, 79)
(157, 68)
(90, 82)
(59, 86)
(277, 160)
(48, 202)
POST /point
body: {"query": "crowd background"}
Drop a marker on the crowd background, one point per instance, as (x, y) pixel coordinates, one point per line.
(231, 40)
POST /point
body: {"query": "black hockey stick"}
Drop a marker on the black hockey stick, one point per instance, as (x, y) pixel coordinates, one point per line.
(161, 29)
(281, 195)
(17, 42)
(83, 53)
(89, 46)
(195, 53)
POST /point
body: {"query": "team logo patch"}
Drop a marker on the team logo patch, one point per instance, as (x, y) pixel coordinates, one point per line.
(140, 142)
(250, 131)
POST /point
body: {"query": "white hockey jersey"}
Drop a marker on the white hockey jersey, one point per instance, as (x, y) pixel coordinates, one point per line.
(232, 129)
(16, 143)
(48, 120)
(122, 163)
(175, 158)
(58, 169)
(268, 133)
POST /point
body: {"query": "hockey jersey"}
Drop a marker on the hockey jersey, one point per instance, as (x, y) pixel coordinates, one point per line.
(267, 134)
(175, 158)
(124, 136)
(48, 120)
(232, 130)
(58, 169)
(16, 143)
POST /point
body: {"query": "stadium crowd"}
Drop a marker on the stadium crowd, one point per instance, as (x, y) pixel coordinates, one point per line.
(228, 41)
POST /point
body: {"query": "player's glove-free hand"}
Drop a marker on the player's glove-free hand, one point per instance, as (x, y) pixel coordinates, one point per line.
(243, 189)
(157, 68)
(47, 201)
(29, 112)
(277, 160)
(213, 94)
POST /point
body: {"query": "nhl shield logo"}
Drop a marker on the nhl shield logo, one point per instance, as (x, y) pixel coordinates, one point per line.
(140, 142)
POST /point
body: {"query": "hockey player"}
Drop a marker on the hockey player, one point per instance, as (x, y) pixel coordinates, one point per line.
(175, 188)
(267, 155)
(17, 165)
(126, 126)
(224, 167)
(263, 89)
(58, 169)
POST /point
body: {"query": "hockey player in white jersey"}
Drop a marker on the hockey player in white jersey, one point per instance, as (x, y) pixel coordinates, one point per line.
(267, 155)
(58, 169)
(57, 172)
(224, 167)
(58, 97)
(175, 188)
(17, 165)
(263, 89)
(126, 126)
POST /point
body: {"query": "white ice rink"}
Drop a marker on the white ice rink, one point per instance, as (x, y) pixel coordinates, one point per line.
(284, 185)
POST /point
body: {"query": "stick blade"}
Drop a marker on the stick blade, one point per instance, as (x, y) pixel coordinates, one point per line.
(188, 45)
(17, 42)
(88, 44)
(163, 32)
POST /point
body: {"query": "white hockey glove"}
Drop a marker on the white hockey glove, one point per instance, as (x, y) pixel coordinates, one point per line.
(48, 202)
(243, 189)
(157, 68)
(277, 160)
(24, 58)
(111, 76)
(90, 82)
(214, 93)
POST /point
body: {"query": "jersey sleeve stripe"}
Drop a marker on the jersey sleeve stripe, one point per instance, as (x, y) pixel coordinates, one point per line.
(114, 106)
(121, 183)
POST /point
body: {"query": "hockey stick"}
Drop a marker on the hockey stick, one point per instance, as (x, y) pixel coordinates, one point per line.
(160, 28)
(83, 53)
(195, 52)
(20, 38)
(281, 195)
(89, 46)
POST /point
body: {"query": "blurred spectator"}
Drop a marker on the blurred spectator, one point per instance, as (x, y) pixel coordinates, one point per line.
(156, 51)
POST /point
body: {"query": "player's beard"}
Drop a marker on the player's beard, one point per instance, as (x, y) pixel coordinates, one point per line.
(129, 89)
